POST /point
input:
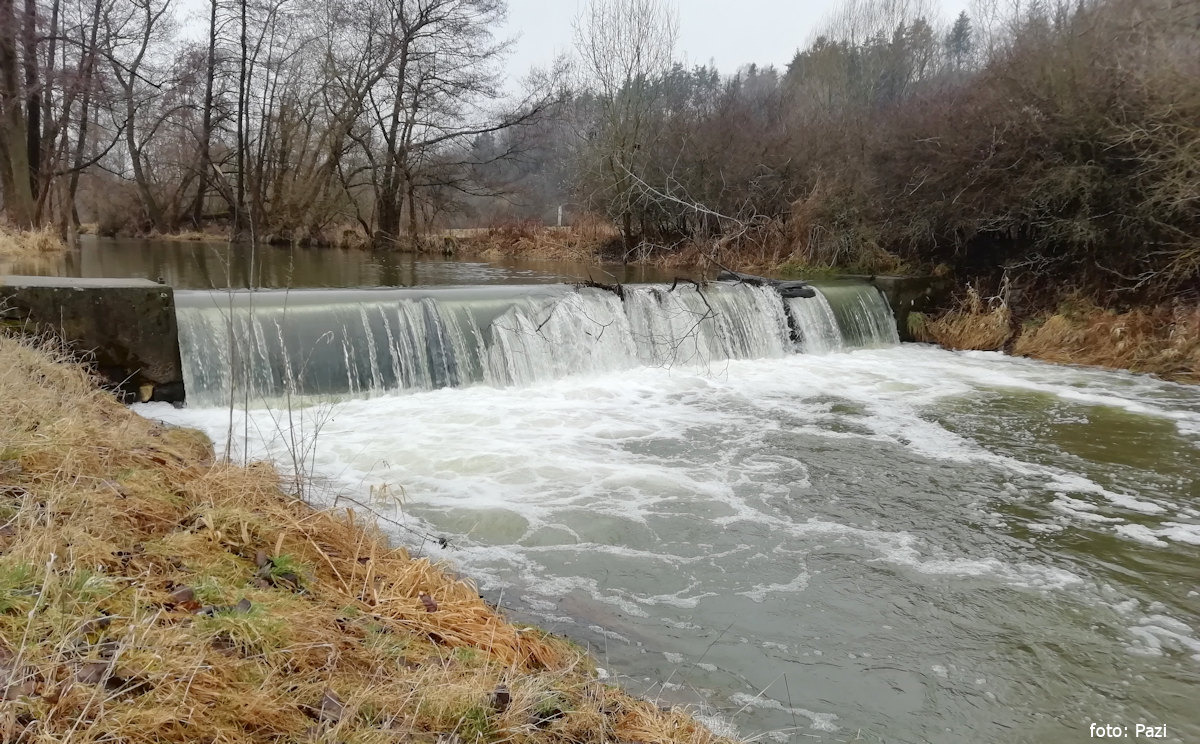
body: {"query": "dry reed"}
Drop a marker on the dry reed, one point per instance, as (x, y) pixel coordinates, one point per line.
(532, 240)
(151, 594)
(976, 323)
(189, 236)
(23, 244)
(1161, 340)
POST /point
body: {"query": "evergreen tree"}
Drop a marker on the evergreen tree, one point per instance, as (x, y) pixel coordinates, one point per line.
(958, 42)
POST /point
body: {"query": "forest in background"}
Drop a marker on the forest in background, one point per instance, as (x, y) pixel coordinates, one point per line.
(1033, 147)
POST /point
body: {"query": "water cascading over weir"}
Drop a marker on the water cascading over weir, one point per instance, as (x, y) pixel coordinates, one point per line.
(269, 344)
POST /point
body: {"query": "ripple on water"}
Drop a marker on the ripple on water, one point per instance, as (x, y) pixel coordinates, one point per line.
(867, 518)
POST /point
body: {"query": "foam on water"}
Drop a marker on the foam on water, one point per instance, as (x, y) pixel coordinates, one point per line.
(662, 496)
(818, 721)
(474, 449)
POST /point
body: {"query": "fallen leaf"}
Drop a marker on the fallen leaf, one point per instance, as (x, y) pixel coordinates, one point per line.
(288, 580)
(182, 595)
(223, 644)
(501, 698)
(261, 560)
(16, 681)
(430, 603)
(331, 707)
(91, 673)
(95, 624)
(108, 649)
(24, 687)
(243, 605)
(116, 488)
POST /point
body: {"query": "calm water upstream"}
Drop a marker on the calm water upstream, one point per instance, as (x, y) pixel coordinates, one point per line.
(188, 265)
(863, 542)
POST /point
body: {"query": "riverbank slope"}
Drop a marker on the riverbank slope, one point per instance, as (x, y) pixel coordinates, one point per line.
(1162, 339)
(149, 592)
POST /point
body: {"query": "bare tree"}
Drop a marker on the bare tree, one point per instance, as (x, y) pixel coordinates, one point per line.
(625, 48)
(16, 174)
(134, 30)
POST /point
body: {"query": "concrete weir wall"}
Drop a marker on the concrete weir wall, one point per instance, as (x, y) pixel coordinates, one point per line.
(125, 326)
(907, 294)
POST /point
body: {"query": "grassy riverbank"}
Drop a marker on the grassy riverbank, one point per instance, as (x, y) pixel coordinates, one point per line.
(151, 593)
(29, 244)
(1162, 340)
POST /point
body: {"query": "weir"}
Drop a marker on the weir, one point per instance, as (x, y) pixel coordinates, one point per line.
(267, 345)
(124, 328)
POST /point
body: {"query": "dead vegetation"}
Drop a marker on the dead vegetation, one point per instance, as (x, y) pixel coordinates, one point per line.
(1162, 340)
(591, 239)
(190, 236)
(150, 593)
(975, 323)
(26, 244)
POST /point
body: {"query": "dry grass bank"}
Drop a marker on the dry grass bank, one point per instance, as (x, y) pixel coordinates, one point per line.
(589, 240)
(984, 325)
(151, 594)
(28, 244)
(770, 248)
(1163, 341)
(190, 236)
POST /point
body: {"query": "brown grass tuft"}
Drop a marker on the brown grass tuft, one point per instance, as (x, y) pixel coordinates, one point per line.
(190, 236)
(974, 324)
(586, 243)
(149, 593)
(1160, 340)
(29, 243)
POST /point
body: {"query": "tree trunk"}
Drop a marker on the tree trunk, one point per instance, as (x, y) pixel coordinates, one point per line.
(51, 150)
(414, 236)
(84, 113)
(33, 102)
(14, 156)
(153, 212)
(387, 211)
(207, 125)
(627, 231)
(239, 208)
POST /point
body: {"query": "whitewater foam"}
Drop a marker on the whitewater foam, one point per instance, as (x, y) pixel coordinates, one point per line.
(681, 498)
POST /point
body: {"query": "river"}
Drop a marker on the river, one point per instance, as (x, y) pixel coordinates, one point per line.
(867, 541)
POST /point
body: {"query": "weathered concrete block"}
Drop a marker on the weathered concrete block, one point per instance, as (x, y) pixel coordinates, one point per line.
(126, 327)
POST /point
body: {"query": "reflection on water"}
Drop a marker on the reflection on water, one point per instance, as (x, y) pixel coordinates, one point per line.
(187, 265)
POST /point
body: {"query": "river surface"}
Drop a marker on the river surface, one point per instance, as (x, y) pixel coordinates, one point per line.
(214, 265)
(886, 544)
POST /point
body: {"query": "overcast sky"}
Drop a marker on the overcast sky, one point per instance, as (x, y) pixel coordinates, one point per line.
(730, 33)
